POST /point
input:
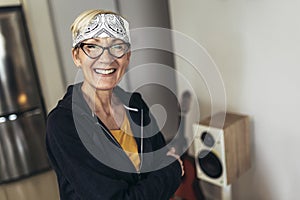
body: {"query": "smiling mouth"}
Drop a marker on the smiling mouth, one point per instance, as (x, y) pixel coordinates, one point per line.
(104, 71)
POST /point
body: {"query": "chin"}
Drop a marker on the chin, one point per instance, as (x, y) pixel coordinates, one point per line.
(105, 87)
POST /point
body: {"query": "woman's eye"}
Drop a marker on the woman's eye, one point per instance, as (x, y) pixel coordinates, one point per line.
(117, 47)
(91, 46)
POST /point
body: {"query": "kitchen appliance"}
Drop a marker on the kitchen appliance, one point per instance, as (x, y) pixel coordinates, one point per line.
(22, 112)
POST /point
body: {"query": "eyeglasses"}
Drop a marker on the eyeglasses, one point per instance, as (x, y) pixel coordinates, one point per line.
(95, 51)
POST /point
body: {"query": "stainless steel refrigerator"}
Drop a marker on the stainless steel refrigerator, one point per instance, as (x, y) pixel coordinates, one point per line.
(22, 114)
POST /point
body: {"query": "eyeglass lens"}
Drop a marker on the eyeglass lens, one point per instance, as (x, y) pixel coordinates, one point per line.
(95, 51)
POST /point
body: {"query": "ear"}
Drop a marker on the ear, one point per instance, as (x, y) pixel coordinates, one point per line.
(75, 56)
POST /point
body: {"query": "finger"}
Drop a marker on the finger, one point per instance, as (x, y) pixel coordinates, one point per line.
(180, 162)
(172, 150)
(173, 155)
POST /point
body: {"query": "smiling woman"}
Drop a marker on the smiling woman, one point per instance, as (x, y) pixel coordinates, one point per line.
(95, 135)
(102, 69)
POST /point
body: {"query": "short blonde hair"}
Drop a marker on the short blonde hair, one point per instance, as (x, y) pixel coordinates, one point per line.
(84, 19)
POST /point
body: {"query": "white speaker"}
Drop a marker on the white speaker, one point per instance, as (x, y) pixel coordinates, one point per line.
(222, 150)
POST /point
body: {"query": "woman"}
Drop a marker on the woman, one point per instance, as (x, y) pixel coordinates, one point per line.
(102, 141)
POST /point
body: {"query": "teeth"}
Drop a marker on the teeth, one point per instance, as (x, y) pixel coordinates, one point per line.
(104, 71)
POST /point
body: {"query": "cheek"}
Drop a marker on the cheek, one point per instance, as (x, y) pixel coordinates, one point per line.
(124, 68)
(124, 64)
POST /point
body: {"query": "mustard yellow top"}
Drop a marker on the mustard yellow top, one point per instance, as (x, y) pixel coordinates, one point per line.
(125, 138)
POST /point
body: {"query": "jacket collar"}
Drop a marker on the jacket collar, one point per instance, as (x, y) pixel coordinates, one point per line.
(132, 102)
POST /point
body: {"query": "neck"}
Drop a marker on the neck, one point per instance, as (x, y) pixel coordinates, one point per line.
(98, 100)
(105, 105)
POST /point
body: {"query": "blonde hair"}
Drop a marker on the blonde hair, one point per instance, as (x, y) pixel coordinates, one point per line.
(84, 19)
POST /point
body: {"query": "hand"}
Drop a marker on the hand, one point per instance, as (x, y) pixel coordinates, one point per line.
(171, 152)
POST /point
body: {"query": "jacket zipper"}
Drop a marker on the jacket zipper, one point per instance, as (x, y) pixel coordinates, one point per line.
(142, 136)
(142, 140)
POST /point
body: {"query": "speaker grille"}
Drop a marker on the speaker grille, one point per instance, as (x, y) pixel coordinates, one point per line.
(210, 164)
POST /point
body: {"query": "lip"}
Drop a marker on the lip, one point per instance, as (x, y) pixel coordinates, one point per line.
(104, 72)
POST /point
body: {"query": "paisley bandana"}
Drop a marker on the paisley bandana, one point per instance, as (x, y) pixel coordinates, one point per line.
(104, 25)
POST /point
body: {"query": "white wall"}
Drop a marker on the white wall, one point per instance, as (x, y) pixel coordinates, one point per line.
(10, 3)
(256, 46)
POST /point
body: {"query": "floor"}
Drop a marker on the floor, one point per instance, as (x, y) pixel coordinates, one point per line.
(42, 186)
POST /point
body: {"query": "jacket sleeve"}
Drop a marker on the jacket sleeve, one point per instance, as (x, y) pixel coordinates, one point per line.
(79, 176)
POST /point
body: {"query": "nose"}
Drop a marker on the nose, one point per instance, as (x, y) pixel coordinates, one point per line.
(105, 57)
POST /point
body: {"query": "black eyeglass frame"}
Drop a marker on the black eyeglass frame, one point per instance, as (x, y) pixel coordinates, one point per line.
(82, 44)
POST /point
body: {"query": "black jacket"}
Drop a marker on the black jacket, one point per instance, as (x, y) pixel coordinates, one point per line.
(91, 165)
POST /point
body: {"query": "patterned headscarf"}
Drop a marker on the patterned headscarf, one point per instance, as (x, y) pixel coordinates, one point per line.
(104, 25)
